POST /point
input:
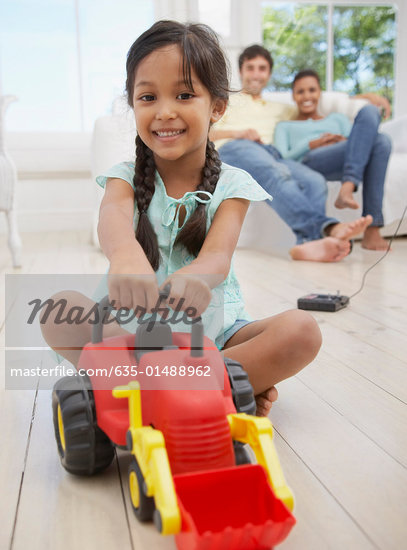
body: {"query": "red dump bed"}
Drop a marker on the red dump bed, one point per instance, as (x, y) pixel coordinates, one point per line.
(230, 509)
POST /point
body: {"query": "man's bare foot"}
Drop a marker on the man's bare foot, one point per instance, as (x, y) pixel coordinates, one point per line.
(372, 240)
(329, 249)
(264, 400)
(349, 230)
(345, 197)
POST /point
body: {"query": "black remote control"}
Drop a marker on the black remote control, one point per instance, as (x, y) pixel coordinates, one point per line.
(323, 302)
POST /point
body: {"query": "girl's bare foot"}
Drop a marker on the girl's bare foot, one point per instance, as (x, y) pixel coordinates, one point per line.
(372, 240)
(329, 249)
(345, 197)
(264, 400)
(349, 230)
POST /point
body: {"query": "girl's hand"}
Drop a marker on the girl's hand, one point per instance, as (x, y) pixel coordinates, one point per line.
(188, 291)
(131, 289)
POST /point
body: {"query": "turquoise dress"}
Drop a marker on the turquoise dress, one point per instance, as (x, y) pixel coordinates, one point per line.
(227, 303)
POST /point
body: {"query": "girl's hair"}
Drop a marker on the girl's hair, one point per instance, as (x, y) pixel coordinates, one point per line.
(201, 52)
(303, 74)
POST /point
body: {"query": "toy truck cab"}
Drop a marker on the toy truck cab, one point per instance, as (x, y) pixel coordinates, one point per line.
(185, 434)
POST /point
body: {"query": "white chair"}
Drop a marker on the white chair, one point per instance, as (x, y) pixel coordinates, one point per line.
(8, 180)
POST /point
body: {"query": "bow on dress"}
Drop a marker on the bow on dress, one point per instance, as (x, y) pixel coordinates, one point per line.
(171, 213)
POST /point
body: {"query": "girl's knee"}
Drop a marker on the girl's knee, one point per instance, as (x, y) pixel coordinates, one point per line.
(292, 342)
(303, 333)
(57, 307)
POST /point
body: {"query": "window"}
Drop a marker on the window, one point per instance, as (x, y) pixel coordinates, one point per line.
(65, 59)
(296, 37)
(364, 42)
(351, 47)
(38, 65)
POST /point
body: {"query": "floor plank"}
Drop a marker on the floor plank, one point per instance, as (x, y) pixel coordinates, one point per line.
(376, 413)
(377, 366)
(16, 409)
(321, 520)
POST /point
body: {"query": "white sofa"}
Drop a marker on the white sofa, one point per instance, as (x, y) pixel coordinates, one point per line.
(113, 142)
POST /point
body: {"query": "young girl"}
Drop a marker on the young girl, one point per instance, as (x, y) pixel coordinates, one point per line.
(188, 209)
(339, 151)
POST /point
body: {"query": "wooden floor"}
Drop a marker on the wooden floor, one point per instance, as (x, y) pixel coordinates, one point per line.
(341, 425)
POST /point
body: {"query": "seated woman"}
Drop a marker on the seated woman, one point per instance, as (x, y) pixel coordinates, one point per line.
(339, 151)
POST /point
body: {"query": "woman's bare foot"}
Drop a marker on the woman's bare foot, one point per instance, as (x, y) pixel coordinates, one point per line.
(349, 230)
(264, 400)
(372, 240)
(345, 197)
(329, 249)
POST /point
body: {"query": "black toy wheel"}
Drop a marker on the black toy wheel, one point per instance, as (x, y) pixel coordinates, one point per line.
(83, 447)
(143, 505)
(242, 456)
(242, 391)
(158, 522)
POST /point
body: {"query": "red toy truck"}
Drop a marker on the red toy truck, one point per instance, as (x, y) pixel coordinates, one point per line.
(190, 471)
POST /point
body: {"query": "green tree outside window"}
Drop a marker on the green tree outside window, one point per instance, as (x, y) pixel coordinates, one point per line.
(363, 52)
(295, 35)
(364, 42)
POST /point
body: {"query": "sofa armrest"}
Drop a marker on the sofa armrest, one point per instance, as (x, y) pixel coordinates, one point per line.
(397, 130)
(113, 141)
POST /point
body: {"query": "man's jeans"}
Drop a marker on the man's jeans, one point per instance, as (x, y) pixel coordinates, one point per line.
(363, 156)
(299, 193)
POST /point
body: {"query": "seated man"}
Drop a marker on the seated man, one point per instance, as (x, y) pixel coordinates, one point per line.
(244, 139)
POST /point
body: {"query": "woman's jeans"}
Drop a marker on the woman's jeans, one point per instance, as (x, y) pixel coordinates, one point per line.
(299, 194)
(363, 156)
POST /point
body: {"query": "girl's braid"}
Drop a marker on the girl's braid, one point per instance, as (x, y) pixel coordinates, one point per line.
(193, 234)
(144, 185)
